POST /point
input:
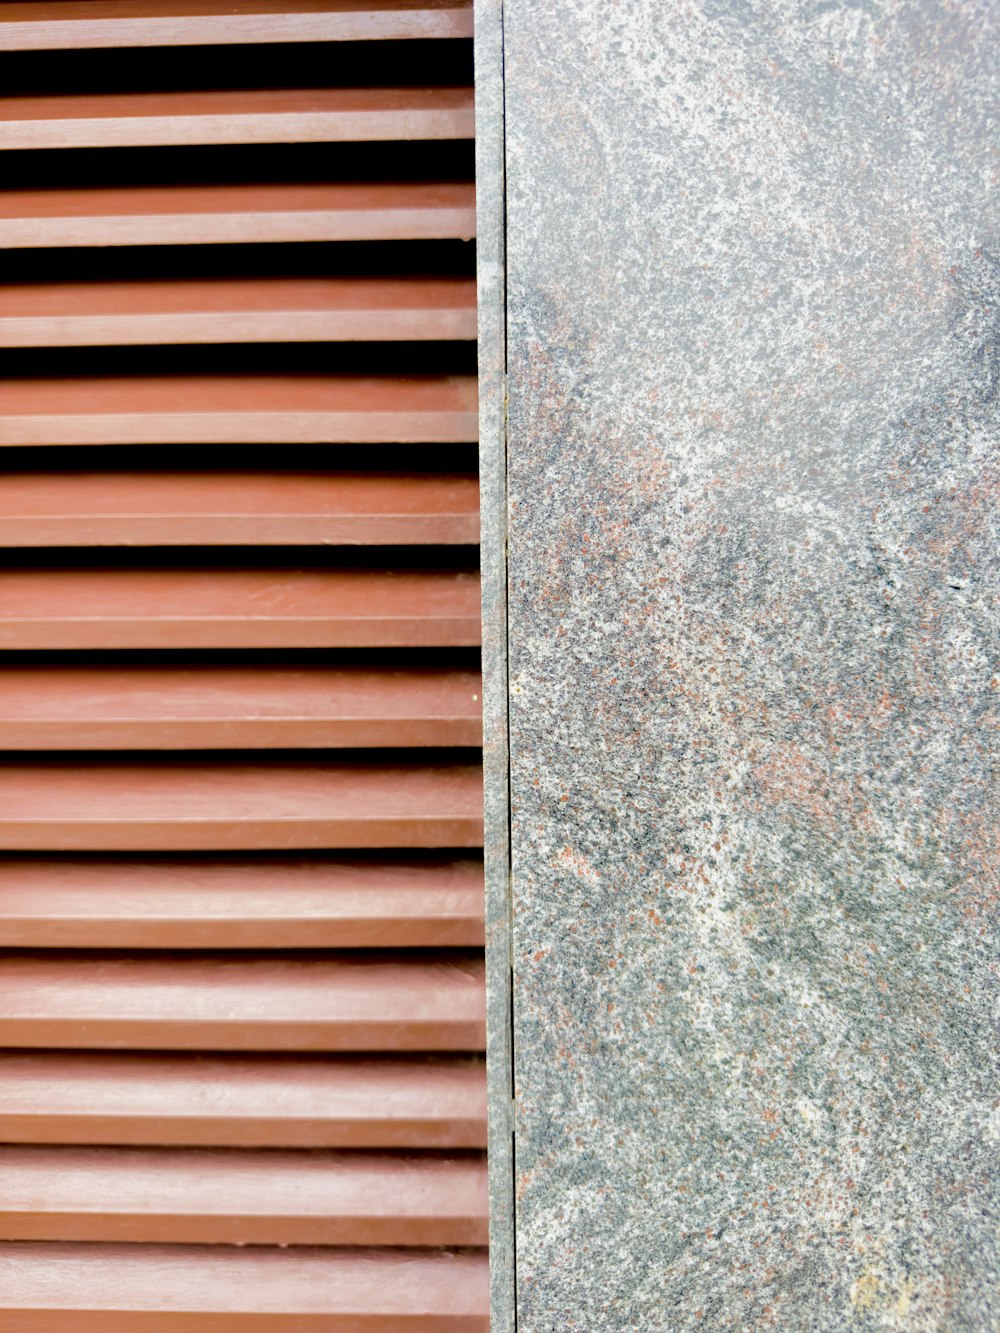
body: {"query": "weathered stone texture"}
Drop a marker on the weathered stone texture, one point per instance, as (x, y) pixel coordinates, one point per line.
(754, 284)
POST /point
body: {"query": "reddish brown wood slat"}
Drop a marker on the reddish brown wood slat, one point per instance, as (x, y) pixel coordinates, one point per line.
(237, 608)
(27, 25)
(235, 409)
(319, 903)
(235, 214)
(190, 1289)
(214, 707)
(244, 1102)
(204, 805)
(237, 310)
(237, 509)
(213, 1003)
(294, 115)
(199, 1196)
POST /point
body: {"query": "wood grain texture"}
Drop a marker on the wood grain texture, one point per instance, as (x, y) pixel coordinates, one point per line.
(241, 992)
(212, 1003)
(244, 1198)
(204, 805)
(322, 902)
(188, 1289)
(48, 608)
(234, 310)
(215, 707)
(27, 25)
(235, 409)
(299, 115)
(247, 1102)
(237, 508)
(236, 214)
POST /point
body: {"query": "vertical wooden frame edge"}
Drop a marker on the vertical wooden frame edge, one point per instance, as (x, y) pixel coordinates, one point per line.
(490, 175)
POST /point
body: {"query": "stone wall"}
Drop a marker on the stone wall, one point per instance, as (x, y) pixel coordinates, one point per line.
(752, 451)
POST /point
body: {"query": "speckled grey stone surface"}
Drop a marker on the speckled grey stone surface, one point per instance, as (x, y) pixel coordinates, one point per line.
(753, 417)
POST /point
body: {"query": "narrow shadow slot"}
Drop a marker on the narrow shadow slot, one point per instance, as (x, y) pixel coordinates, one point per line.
(182, 659)
(209, 558)
(96, 168)
(200, 262)
(417, 63)
(280, 460)
(245, 359)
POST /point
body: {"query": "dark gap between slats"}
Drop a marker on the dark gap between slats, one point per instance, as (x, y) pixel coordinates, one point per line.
(418, 856)
(408, 559)
(319, 459)
(250, 360)
(142, 1152)
(458, 954)
(354, 259)
(433, 63)
(266, 1059)
(423, 757)
(399, 659)
(95, 168)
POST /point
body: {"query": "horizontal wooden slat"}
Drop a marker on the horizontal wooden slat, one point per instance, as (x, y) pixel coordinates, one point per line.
(234, 409)
(199, 1196)
(237, 608)
(215, 707)
(263, 1102)
(298, 115)
(236, 310)
(237, 509)
(75, 24)
(203, 805)
(191, 1289)
(231, 214)
(321, 903)
(204, 1002)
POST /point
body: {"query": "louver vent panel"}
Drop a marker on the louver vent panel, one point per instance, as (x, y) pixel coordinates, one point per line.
(242, 1011)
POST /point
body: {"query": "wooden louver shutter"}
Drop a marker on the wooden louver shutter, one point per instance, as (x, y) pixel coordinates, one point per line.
(241, 986)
